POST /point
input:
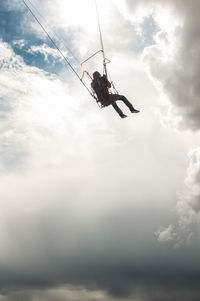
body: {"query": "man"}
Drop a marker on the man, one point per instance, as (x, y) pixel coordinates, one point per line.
(101, 85)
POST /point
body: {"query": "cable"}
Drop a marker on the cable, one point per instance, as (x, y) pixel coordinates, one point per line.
(54, 33)
(101, 39)
(49, 37)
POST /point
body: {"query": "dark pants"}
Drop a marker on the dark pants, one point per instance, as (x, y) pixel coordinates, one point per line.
(114, 97)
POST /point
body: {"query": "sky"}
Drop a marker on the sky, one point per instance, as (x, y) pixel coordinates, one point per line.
(94, 207)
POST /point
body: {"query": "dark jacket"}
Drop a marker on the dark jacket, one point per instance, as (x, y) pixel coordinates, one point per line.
(101, 88)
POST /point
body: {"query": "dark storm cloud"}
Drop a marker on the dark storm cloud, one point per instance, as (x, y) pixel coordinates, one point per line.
(103, 254)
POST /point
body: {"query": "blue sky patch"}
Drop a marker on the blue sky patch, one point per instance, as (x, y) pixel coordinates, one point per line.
(21, 37)
(147, 31)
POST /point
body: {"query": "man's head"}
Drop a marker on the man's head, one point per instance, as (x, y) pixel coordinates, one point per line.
(96, 75)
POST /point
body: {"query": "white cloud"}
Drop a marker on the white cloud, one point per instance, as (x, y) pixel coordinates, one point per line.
(19, 43)
(174, 63)
(7, 60)
(47, 51)
(166, 234)
(173, 66)
(32, 103)
(188, 206)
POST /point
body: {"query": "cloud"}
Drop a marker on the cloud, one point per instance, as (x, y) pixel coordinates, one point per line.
(46, 51)
(166, 234)
(173, 62)
(83, 193)
(60, 294)
(173, 66)
(29, 108)
(188, 207)
(11, 4)
(19, 43)
(85, 295)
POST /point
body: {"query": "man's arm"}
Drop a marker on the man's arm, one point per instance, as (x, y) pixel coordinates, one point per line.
(107, 83)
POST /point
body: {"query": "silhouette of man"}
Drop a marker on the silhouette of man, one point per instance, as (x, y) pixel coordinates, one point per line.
(101, 85)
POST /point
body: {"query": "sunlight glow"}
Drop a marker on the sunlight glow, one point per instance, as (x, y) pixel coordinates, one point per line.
(82, 14)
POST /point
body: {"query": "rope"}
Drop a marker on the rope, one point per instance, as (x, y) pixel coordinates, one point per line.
(101, 39)
(52, 41)
(105, 61)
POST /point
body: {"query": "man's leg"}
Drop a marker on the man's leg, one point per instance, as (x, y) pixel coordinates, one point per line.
(118, 110)
(125, 100)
